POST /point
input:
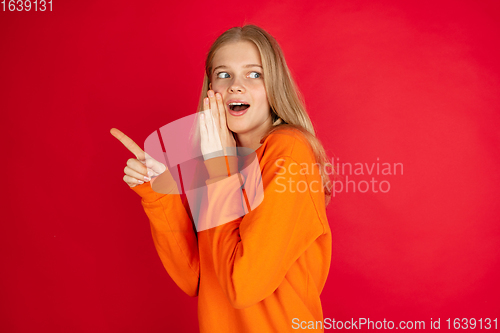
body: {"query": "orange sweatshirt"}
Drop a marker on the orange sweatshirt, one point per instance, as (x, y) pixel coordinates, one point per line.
(263, 272)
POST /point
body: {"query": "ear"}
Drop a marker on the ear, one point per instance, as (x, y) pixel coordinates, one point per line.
(210, 86)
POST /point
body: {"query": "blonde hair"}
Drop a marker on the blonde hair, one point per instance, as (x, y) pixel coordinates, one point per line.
(286, 102)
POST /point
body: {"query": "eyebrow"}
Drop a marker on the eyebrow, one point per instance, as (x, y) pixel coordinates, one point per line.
(246, 66)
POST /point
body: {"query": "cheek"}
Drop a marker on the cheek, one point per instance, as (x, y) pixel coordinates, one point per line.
(218, 86)
(257, 90)
(261, 97)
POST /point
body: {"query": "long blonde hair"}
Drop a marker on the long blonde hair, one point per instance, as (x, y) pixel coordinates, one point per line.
(285, 100)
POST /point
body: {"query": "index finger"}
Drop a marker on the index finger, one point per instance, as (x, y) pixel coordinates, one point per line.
(129, 144)
(222, 110)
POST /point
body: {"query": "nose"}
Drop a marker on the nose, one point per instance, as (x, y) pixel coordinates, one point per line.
(236, 86)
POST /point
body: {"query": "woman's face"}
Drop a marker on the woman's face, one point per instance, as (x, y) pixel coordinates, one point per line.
(237, 75)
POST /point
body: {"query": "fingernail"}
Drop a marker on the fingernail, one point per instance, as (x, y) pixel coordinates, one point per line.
(150, 173)
(206, 100)
(218, 96)
(147, 178)
(210, 93)
(141, 182)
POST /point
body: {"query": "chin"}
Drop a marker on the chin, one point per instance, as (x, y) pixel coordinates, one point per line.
(235, 128)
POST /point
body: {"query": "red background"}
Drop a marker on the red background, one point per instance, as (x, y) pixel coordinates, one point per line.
(416, 84)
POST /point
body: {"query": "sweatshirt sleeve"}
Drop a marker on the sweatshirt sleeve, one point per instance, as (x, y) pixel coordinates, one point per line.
(174, 237)
(252, 254)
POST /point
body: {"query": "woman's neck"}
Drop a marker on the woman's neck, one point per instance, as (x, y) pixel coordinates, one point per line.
(252, 139)
(248, 143)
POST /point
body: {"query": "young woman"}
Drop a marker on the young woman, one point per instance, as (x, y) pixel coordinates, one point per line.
(264, 271)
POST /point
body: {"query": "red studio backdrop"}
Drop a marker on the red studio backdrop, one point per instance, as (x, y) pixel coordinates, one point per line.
(405, 93)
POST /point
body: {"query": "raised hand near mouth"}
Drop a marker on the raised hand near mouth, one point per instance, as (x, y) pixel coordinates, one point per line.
(215, 135)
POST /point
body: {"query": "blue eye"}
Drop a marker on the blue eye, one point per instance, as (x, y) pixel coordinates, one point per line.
(219, 77)
(254, 76)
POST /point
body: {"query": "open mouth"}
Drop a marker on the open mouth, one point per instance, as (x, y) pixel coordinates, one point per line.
(238, 106)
